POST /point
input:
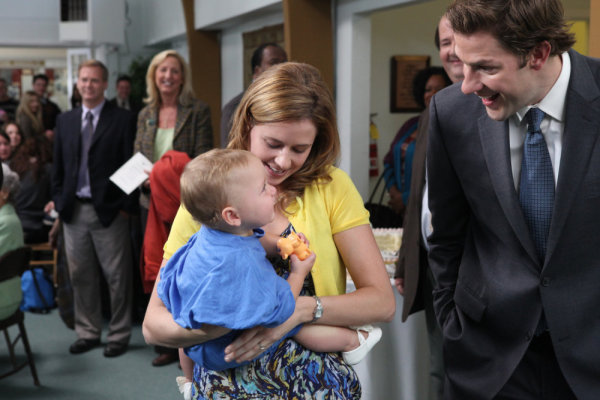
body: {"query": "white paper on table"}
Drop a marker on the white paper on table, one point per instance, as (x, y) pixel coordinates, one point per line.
(132, 174)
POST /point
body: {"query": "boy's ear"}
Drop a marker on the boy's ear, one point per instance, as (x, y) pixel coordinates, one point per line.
(231, 216)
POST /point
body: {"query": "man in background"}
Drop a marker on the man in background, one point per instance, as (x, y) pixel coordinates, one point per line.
(49, 109)
(91, 143)
(413, 276)
(123, 98)
(265, 56)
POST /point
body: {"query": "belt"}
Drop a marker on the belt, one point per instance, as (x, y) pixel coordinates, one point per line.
(84, 199)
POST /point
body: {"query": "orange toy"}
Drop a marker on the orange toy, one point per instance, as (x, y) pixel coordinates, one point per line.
(292, 245)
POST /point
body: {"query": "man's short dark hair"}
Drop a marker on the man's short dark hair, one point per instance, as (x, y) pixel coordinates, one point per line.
(125, 78)
(519, 25)
(44, 77)
(257, 56)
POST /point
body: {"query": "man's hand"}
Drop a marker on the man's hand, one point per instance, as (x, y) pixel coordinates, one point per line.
(49, 207)
(399, 283)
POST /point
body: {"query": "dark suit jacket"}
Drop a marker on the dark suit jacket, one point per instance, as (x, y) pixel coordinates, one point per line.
(491, 288)
(134, 106)
(111, 147)
(411, 265)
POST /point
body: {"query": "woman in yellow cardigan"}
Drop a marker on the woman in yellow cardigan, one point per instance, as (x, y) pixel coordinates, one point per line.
(287, 119)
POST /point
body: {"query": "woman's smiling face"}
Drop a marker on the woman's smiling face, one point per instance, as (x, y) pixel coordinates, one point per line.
(283, 147)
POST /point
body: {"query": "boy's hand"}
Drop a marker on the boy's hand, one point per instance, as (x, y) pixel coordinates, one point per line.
(302, 267)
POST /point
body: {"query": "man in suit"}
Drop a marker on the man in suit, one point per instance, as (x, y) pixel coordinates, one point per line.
(266, 55)
(413, 278)
(50, 110)
(91, 143)
(514, 190)
(123, 98)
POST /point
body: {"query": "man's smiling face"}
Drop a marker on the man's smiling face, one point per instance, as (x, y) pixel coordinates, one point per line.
(496, 75)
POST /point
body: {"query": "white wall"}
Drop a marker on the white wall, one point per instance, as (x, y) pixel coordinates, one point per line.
(163, 19)
(405, 30)
(211, 13)
(29, 23)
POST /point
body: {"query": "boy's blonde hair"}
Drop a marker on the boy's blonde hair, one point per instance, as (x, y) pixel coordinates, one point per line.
(206, 182)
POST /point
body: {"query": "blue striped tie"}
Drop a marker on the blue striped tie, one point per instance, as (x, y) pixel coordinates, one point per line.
(537, 182)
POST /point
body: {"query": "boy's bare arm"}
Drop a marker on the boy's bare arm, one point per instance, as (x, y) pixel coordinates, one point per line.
(298, 271)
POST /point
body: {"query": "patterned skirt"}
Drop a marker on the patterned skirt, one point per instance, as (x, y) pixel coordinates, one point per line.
(291, 372)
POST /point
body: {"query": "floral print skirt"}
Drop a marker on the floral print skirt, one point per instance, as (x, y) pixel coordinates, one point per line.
(291, 372)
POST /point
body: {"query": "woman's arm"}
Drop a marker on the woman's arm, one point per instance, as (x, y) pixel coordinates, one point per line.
(159, 328)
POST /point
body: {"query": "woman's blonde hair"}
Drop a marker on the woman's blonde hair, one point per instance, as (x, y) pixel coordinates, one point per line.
(291, 92)
(23, 108)
(207, 180)
(186, 94)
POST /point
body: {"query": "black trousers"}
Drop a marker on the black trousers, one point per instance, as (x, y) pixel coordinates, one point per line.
(538, 375)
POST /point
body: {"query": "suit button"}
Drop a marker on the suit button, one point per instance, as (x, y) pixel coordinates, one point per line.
(546, 281)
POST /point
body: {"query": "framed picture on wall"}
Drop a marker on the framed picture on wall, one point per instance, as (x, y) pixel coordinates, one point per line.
(404, 68)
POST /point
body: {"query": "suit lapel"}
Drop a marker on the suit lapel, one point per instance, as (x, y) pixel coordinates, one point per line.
(494, 141)
(581, 131)
(75, 124)
(102, 125)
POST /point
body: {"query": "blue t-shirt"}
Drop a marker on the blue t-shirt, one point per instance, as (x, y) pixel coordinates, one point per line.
(223, 279)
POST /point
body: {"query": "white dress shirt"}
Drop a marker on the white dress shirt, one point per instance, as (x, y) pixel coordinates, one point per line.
(552, 126)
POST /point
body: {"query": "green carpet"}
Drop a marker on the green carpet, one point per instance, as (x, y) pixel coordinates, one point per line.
(90, 375)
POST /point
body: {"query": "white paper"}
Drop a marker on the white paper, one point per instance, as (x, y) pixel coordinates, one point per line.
(132, 174)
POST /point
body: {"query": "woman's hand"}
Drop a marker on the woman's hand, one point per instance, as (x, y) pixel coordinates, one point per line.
(255, 341)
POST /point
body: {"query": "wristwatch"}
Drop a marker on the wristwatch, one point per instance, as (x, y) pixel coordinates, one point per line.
(318, 313)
